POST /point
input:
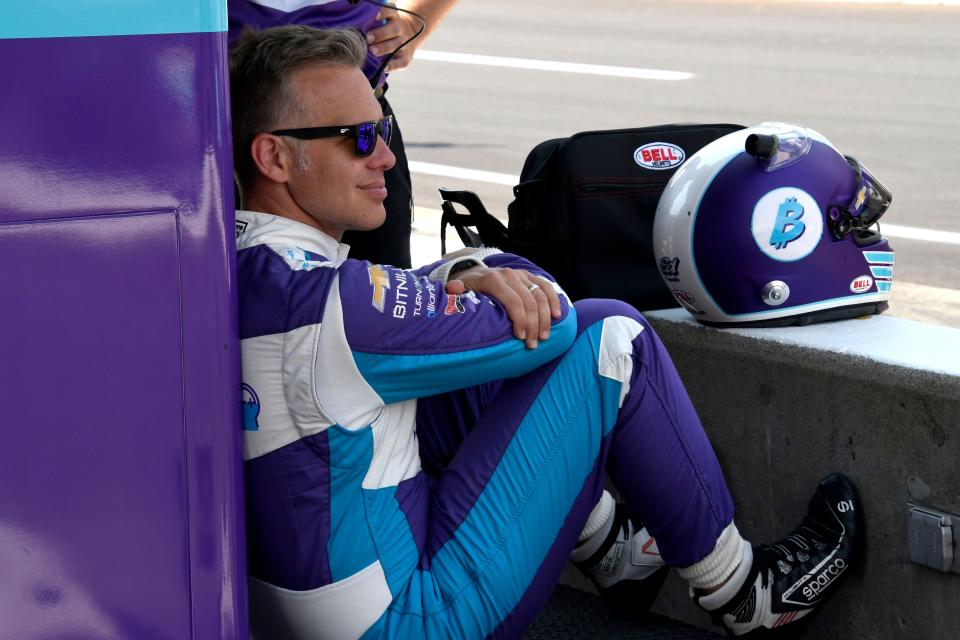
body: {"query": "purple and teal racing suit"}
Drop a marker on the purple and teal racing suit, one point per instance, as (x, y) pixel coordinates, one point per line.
(413, 471)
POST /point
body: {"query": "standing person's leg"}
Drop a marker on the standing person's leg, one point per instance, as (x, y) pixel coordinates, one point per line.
(505, 514)
(390, 243)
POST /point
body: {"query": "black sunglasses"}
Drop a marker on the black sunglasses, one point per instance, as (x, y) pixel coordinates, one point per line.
(365, 133)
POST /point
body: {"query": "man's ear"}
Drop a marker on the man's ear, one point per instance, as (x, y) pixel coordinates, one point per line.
(272, 156)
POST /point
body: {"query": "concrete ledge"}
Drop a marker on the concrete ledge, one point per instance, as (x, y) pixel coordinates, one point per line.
(878, 399)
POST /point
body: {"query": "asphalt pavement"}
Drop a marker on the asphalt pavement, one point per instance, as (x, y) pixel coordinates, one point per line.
(882, 81)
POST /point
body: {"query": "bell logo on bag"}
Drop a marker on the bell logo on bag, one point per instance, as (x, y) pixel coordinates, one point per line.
(659, 156)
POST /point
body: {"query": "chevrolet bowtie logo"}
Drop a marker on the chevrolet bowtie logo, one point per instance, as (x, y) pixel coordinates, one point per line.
(380, 281)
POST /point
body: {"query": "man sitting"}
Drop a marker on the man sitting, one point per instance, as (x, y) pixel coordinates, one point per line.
(425, 449)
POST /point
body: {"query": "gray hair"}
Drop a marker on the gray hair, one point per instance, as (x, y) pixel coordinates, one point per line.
(260, 68)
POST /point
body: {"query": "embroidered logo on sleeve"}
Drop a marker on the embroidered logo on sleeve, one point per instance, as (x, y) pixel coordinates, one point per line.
(380, 282)
(454, 305)
(250, 405)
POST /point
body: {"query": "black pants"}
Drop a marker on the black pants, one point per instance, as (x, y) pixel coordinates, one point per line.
(390, 244)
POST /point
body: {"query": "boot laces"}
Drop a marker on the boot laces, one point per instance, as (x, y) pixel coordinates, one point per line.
(807, 540)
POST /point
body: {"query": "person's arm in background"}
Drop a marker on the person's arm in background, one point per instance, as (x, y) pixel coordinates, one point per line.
(401, 26)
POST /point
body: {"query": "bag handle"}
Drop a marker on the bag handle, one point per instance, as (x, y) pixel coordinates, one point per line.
(490, 232)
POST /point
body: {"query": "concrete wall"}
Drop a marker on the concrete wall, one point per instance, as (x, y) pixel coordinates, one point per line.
(878, 399)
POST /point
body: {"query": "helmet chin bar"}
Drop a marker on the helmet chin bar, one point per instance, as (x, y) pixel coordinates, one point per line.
(870, 200)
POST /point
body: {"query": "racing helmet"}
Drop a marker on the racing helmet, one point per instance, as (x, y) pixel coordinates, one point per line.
(772, 226)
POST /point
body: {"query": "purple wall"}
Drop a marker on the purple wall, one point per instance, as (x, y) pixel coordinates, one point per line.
(120, 504)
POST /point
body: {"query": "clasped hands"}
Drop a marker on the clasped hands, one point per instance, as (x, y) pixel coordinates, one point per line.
(530, 301)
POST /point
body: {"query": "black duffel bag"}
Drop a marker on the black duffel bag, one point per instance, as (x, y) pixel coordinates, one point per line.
(584, 209)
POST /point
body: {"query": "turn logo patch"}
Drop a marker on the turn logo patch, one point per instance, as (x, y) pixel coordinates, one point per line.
(787, 224)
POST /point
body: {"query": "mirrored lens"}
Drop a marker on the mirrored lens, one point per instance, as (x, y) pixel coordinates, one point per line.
(386, 129)
(366, 138)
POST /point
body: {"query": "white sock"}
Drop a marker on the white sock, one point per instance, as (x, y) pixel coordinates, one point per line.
(596, 529)
(725, 593)
(720, 563)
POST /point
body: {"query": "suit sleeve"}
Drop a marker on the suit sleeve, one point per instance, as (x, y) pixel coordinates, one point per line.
(408, 338)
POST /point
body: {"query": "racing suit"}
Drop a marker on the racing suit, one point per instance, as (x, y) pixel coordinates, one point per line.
(349, 536)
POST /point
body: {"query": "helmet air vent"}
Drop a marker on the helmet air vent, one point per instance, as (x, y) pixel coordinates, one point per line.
(761, 146)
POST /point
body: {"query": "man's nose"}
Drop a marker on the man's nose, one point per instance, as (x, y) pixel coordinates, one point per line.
(382, 155)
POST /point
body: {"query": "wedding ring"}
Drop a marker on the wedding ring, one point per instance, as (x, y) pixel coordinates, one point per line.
(533, 286)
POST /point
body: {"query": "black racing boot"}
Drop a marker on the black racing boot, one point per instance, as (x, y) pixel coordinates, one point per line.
(786, 583)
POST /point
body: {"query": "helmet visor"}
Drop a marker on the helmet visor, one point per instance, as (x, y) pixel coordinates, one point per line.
(870, 200)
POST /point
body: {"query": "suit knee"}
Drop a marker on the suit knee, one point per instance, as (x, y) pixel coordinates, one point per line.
(593, 310)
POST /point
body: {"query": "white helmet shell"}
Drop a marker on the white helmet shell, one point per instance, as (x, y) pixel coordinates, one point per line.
(779, 235)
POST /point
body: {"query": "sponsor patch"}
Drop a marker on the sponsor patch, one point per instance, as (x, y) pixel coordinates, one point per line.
(659, 156)
(816, 584)
(454, 305)
(250, 407)
(808, 589)
(787, 224)
(861, 284)
(380, 282)
(425, 297)
(400, 301)
(670, 268)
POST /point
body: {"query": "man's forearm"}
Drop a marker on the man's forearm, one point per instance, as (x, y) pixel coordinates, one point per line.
(432, 11)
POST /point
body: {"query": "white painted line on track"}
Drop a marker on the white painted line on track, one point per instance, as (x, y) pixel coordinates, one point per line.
(552, 65)
(446, 171)
(916, 233)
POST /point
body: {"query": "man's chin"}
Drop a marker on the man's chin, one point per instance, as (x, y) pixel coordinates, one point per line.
(373, 222)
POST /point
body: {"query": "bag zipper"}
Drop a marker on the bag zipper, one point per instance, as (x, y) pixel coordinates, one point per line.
(598, 188)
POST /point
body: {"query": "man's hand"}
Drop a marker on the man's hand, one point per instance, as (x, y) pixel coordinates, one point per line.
(530, 300)
(396, 29)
